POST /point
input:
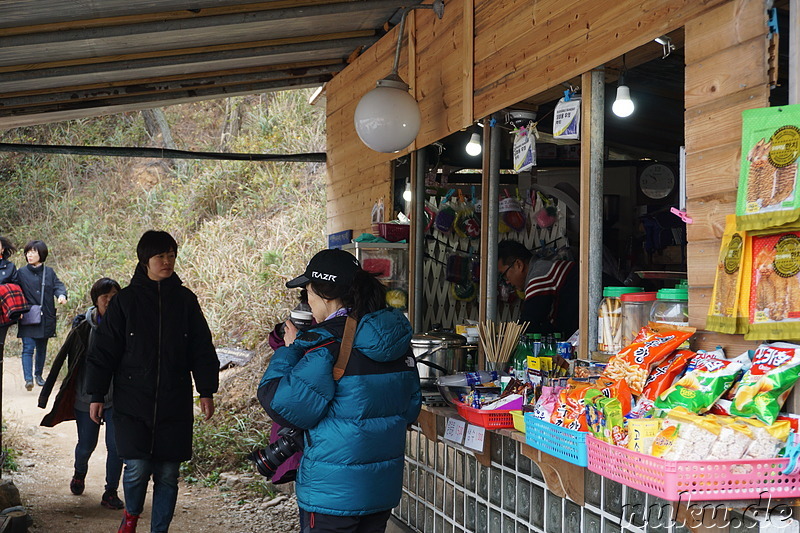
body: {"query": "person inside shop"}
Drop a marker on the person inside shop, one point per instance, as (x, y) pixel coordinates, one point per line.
(151, 342)
(550, 287)
(72, 400)
(352, 405)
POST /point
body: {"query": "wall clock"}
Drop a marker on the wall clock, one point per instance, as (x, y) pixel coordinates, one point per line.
(656, 181)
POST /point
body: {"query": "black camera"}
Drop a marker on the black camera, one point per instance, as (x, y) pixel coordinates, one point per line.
(268, 459)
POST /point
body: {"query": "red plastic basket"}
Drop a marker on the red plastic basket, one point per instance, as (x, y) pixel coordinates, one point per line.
(488, 418)
(393, 232)
(687, 481)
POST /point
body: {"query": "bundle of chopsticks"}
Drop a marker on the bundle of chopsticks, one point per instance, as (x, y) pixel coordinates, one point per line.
(500, 340)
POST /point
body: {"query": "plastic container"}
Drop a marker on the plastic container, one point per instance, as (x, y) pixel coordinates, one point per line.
(671, 306)
(519, 420)
(487, 418)
(636, 308)
(566, 444)
(609, 319)
(742, 479)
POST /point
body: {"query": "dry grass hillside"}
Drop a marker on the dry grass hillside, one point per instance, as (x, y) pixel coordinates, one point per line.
(243, 228)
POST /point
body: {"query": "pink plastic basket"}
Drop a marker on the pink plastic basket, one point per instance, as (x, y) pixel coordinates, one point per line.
(692, 480)
(488, 418)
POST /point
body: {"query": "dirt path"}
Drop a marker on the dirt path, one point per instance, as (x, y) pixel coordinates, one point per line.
(46, 467)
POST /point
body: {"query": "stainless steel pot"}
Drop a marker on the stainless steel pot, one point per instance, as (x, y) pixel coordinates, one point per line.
(438, 353)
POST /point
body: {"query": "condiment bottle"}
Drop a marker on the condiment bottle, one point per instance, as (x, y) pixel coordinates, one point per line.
(609, 319)
(635, 314)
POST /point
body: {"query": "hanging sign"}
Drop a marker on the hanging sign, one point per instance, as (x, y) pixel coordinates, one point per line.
(455, 429)
(524, 150)
(567, 119)
(474, 437)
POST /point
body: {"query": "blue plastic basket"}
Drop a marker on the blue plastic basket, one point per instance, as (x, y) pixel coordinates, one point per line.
(566, 444)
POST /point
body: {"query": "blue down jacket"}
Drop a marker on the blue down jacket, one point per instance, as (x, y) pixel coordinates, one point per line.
(356, 428)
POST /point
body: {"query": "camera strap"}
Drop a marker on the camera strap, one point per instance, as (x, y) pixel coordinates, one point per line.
(345, 348)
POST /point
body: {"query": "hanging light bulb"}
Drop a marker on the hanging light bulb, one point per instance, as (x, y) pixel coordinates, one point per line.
(387, 118)
(407, 192)
(473, 147)
(623, 105)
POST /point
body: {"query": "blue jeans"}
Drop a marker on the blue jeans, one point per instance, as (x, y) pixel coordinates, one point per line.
(88, 433)
(28, 346)
(165, 490)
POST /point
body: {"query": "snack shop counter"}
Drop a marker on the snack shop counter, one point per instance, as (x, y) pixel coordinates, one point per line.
(509, 486)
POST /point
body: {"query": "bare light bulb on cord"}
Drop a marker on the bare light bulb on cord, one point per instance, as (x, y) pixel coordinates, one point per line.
(473, 147)
(407, 192)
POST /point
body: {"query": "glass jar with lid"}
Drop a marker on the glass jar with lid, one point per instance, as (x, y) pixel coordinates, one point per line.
(636, 308)
(671, 306)
(609, 319)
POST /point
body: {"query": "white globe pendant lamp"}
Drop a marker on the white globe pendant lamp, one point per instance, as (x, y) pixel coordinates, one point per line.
(387, 118)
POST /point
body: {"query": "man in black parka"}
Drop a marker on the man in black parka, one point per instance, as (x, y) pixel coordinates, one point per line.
(152, 341)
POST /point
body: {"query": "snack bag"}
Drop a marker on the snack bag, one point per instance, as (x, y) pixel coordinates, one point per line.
(733, 441)
(764, 387)
(723, 312)
(662, 376)
(543, 409)
(618, 389)
(635, 361)
(686, 437)
(768, 439)
(767, 194)
(605, 421)
(642, 433)
(571, 409)
(699, 389)
(511, 213)
(774, 311)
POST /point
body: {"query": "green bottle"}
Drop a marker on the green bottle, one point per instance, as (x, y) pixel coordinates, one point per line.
(521, 359)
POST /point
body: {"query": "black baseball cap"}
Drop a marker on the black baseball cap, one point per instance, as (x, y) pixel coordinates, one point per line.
(332, 266)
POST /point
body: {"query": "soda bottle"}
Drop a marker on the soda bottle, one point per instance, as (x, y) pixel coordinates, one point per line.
(521, 359)
(548, 348)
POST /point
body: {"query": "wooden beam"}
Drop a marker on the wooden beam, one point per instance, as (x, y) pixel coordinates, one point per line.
(209, 8)
(138, 88)
(245, 49)
(188, 77)
(468, 58)
(159, 100)
(288, 11)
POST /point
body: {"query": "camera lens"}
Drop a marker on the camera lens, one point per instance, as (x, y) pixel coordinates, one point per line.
(268, 459)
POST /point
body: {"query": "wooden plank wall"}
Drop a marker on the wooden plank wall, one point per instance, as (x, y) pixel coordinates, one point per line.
(726, 73)
(519, 49)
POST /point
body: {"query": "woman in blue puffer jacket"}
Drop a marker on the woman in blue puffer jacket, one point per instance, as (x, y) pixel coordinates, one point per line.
(350, 476)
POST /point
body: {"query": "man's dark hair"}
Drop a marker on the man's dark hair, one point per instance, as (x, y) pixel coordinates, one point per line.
(8, 248)
(40, 247)
(153, 243)
(102, 286)
(509, 251)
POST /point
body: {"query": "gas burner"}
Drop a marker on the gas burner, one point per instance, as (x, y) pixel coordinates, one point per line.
(433, 399)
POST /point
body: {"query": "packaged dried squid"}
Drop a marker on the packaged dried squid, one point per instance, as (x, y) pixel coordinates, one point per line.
(723, 313)
(774, 299)
(768, 194)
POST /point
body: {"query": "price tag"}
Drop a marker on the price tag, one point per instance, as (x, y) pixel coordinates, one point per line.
(455, 430)
(474, 438)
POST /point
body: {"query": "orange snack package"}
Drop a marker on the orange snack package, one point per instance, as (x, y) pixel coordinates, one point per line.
(570, 411)
(662, 376)
(635, 361)
(618, 389)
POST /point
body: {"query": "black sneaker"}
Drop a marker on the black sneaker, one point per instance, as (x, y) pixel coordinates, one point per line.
(76, 486)
(111, 500)
(39, 381)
